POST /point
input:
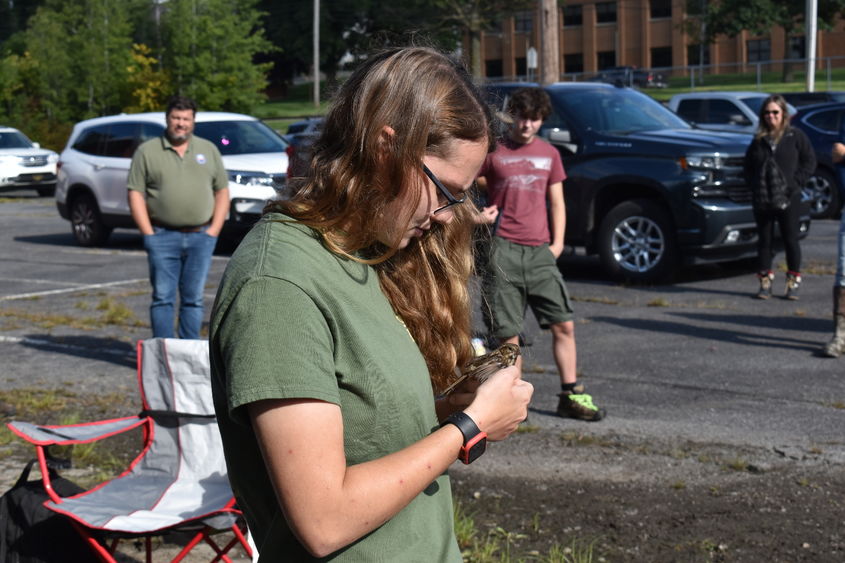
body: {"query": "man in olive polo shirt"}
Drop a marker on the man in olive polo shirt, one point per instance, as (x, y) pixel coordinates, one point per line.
(179, 198)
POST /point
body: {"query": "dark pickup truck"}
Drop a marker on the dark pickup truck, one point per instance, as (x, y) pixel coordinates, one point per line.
(645, 190)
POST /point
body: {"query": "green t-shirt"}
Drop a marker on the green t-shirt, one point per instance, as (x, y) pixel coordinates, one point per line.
(180, 189)
(293, 320)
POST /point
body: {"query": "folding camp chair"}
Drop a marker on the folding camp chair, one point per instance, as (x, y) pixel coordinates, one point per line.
(177, 483)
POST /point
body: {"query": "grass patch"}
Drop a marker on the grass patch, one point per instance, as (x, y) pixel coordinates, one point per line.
(818, 268)
(500, 546)
(658, 302)
(111, 313)
(737, 464)
(34, 402)
(526, 428)
(603, 300)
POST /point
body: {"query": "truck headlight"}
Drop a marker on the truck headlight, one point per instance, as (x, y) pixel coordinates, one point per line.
(702, 162)
(250, 178)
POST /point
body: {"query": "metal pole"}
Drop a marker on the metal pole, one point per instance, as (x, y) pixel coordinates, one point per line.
(316, 53)
(812, 22)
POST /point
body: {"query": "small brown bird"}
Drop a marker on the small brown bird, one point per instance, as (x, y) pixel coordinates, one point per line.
(484, 366)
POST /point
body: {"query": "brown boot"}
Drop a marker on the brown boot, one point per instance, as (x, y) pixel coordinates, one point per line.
(836, 346)
(765, 278)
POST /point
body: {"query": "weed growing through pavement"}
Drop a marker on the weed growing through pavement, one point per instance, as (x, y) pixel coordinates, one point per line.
(111, 312)
(737, 464)
(498, 544)
(526, 428)
(658, 302)
(817, 268)
(603, 300)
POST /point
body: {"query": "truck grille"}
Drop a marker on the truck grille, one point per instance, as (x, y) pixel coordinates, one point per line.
(734, 181)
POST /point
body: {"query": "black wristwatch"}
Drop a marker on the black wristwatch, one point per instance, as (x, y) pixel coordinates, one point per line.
(475, 441)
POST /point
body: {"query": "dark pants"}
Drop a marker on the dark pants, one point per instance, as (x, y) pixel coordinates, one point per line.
(788, 222)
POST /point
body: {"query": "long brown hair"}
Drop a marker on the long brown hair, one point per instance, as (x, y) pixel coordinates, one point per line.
(428, 100)
(762, 127)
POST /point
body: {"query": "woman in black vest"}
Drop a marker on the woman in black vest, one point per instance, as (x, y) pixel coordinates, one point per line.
(778, 163)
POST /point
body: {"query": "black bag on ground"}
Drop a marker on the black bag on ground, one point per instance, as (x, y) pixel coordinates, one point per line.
(30, 532)
(773, 194)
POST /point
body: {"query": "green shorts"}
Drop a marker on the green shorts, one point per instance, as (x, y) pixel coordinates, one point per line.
(521, 276)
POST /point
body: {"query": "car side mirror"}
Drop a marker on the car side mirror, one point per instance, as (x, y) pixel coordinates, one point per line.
(36, 145)
(562, 138)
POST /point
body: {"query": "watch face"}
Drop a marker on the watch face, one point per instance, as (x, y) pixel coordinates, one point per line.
(474, 448)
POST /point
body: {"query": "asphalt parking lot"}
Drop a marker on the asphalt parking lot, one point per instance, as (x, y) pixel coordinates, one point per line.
(698, 359)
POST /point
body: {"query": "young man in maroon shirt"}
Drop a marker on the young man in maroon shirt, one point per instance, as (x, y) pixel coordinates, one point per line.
(524, 181)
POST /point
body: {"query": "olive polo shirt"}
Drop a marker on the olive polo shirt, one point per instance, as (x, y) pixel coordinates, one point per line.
(179, 189)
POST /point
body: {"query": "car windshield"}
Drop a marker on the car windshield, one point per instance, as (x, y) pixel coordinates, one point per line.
(14, 140)
(616, 110)
(240, 137)
(753, 103)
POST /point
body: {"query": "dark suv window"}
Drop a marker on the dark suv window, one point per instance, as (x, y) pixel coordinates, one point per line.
(116, 139)
(722, 111)
(690, 109)
(826, 121)
(92, 140)
(121, 140)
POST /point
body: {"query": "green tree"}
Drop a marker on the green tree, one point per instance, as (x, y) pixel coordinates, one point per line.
(210, 47)
(79, 52)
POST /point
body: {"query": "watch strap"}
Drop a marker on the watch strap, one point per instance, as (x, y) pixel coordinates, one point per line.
(465, 424)
(475, 441)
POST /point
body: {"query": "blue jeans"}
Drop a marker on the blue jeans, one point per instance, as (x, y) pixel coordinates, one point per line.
(178, 261)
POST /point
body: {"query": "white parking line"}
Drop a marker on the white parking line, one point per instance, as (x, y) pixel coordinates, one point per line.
(70, 289)
(53, 344)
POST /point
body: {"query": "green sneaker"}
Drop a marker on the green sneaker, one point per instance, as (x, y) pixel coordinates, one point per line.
(580, 406)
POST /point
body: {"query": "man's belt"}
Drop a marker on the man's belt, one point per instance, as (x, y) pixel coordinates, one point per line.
(194, 229)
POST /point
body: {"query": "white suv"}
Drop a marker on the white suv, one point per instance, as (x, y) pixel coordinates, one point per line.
(25, 164)
(91, 190)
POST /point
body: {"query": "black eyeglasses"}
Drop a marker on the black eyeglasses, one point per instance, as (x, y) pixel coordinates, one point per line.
(771, 112)
(450, 199)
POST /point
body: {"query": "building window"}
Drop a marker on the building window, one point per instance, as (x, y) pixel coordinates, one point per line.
(606, 12)
(759, 50)
(661, 9)
(606, 59)
(523, 22)
(797, 48)
(521, 66)
(573, 62)
(493, 68)
(695, 54)
(661, 57)
(572, 15)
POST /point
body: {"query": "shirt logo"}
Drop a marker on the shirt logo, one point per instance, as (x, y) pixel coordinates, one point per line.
(200, 158)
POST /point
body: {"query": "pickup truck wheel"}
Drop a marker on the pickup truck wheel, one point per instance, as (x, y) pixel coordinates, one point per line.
(636, 242)
(823, 193)
(88, 227)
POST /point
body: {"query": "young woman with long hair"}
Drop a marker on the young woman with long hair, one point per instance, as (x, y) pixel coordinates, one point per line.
(778, 163)
(344, 312)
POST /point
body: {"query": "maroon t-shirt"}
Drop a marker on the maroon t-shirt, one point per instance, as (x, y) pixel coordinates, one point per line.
(518, 179)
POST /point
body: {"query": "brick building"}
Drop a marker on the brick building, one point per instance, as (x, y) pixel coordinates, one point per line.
(598, 34)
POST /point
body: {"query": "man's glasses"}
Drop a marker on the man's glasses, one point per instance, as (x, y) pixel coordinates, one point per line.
(447, 195)
(771, 112)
